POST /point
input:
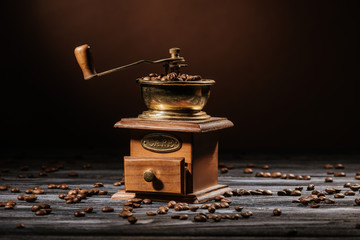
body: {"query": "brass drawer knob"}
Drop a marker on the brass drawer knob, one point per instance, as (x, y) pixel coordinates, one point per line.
(149, 175)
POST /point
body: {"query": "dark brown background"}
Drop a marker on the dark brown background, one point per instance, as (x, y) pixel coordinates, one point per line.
(287, 72)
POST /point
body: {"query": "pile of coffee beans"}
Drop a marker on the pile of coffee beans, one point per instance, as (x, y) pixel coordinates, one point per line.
(29, 198)
(173, 76)
(77, 194)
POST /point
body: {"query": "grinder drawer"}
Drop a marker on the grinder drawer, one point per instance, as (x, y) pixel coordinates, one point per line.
(154, 174)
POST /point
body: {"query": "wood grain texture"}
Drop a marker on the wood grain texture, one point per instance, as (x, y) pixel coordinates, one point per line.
(168, 171)
(330, 221)
(212, 124)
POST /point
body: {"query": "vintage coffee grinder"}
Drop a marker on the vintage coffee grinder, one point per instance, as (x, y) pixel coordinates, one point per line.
(174, 144)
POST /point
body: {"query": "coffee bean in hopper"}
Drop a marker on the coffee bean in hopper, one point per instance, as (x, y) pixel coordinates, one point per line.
(277, 212)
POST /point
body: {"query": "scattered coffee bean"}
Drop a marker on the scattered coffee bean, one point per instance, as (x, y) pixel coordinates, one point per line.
(118, 183)
(40, 212)
(357, 201)
(277, 212)
(79, 214)
(355, 187)
(250, 165)
(238, 208)
(299, 188)
(265, 167)
(330, 190)
(259, 174)
(339, 195)
(127, 208)
(21, 197)
(329, 201)
(125, 214)
(357, 177)
(295, 193)
(330, 172)
(103, 192)
(246, 214)
(228, 194)
(52, 186)
(248, 170)
(218, 198)
(224, 205)
(211, 209)
(229, 166)
(314, 205)
(107, 209)
(15, 190)
(200, 218)
(299, 177)
(38, 191)
(20, 175)
(349, 193)
(31, 198)
(98, 184)
(290, 176)
(194, 208)
(339, 174)
(328, 166)
(171, 204)
(88, 210)
(310, 187)
(147, 201)
(234, 216)
(162, 210)
(276, 175)
(339, 166)
(223, 170)
(281, 193)
(151, 213)
(328, 179)
(183, 217)
(266, 175)
(267, 192)
(8, 206)
(132, 219)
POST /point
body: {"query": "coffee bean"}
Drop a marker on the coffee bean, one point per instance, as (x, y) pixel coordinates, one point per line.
(265, 167)
(276, 174)
(20, 175)
(31, 198)
(246, 214)
(267, 192)
(218, 198)
(42, 174)
(118, 183)
(329, 201)
(200, 218)
(125, 214)
(28, 191)
(266, 175)
(8, 206)
(88, 210)
(248, 170)
(314, 205)
(162, 210)
(224, 170)
(229, 166)
(357, 177)
(330, 190)
(239, 208)
(310, 187)
(339, 174)
(227, 200)
(194, 208)
(328, 179)
(256, 192)
(339, 166)
(328, 166)
(63, 186)
(295, 193)
(147, 201)
(283, 176)
(38, 191)
(224, 205)
(339, 195)
(15, 190)
(171, 204)
(21, 197)
(151, 213)
(349, 193)
(98, 184)
(299, 177)
(132, 219)
(212, 216)
(20, 225)
(211, 209)
(127, 208)
(86, 165)
(355, 187)
(103, 192)
(79, 214)
(357, 201)
(290, 176)
(107, 209)
(52, 186)
(234, 216)
(183, 217)
(330, 172)
(307, 177)
(299, 188)
(228, 194)
(259, 174)
(281, 193)
(40, 212)
(277, 212)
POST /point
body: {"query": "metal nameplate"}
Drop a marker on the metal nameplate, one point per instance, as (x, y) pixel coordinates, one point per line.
(161, 142)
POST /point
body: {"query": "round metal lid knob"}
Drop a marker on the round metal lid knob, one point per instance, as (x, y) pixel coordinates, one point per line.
(174, 52)
(149, 175)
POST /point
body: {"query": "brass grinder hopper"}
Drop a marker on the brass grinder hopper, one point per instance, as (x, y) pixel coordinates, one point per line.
(165, 100)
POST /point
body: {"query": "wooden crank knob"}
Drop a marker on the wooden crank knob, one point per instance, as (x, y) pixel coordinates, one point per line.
(85, 61)
(149, 175)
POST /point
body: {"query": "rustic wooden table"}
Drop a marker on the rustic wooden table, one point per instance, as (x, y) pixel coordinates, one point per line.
(328, 221)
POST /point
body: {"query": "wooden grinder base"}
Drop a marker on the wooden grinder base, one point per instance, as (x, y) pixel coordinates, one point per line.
(188, 174)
